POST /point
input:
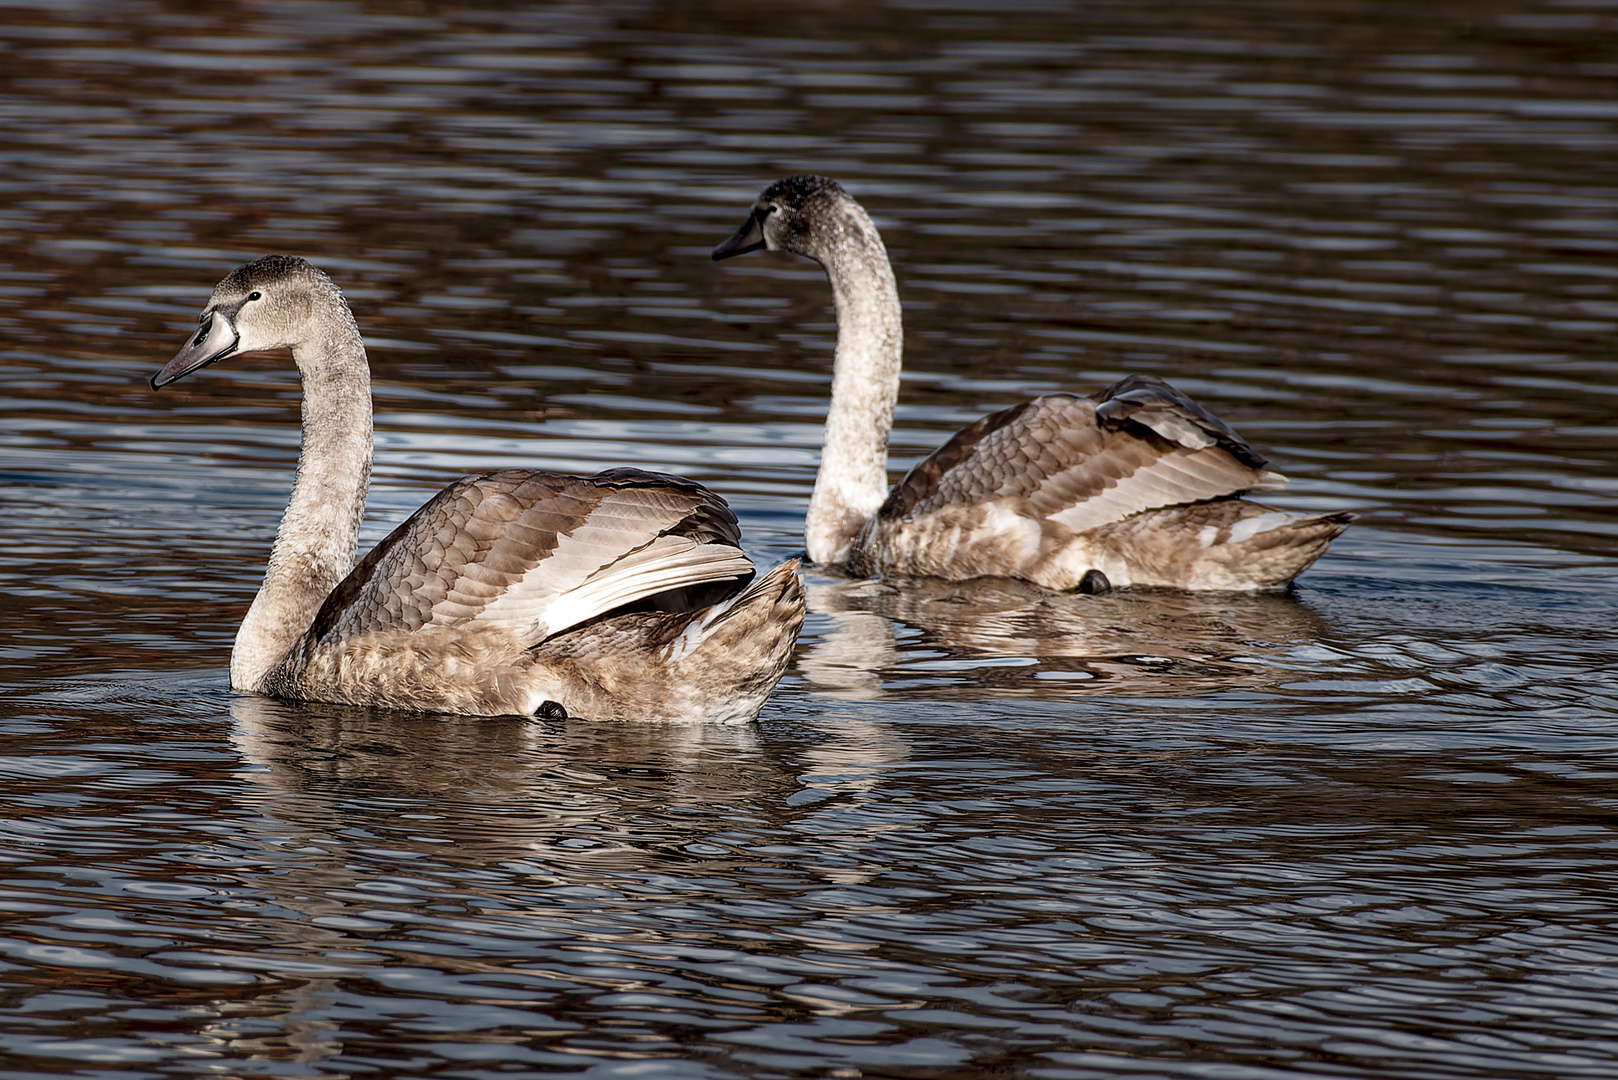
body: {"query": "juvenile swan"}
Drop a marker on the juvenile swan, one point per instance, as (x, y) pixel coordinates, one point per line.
(620, 596)
(1137, 485)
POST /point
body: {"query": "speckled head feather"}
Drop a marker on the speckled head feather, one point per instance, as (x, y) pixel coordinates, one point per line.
(813, 216)
(268, 269)
(805, 215)
(795, 191)
(300, 290)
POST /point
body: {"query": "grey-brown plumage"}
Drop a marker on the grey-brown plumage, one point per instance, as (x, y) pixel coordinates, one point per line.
(624, 595)
(1136, 485)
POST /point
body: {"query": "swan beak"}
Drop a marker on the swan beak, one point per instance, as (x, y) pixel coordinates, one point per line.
(749, 238)
(214, 340)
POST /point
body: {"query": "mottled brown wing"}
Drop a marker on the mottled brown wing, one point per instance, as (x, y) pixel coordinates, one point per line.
(1085, 462)
(1153, 403)
(537, 552)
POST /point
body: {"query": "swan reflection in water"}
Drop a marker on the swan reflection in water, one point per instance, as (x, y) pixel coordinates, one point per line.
(997, 637)
(575, 802)
(496, 788)
(477, 850)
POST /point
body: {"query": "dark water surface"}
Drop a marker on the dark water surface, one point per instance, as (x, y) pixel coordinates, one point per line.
(1366, 828)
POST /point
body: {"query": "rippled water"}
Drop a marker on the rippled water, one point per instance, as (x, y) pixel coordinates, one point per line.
(1362, 829)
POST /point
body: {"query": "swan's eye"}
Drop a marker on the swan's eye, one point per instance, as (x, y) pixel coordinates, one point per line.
(255, 295)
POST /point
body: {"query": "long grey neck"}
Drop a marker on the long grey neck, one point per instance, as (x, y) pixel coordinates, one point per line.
(853, 478)
(314, 548)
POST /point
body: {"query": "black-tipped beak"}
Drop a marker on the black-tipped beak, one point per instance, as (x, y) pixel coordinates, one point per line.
(749, 238)
(214, 340)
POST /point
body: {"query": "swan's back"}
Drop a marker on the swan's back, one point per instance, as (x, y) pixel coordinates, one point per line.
(1137, 445)
(537, 552)
(458, 602)
(1041, 489)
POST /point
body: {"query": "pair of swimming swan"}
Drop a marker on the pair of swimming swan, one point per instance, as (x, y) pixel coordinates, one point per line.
(626, 595)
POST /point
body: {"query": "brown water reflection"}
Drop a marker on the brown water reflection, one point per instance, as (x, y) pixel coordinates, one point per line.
(552, 798)
(1357, 830)
(1004, 638)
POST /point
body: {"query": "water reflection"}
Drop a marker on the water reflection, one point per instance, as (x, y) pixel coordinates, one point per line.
(996, 637)
(588, 800)
(308, 884)
(500, 790)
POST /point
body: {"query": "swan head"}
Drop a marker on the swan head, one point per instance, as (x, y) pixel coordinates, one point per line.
(798, 214)
(270, 303)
